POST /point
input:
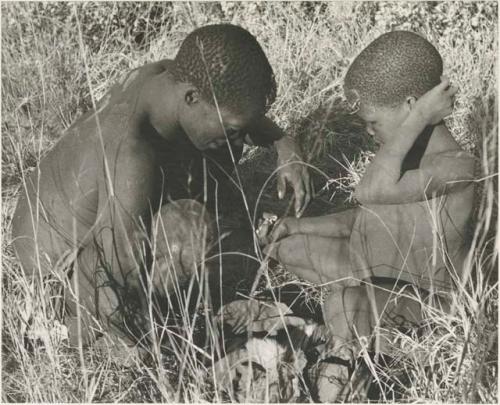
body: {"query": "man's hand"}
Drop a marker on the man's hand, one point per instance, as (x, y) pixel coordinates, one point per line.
(294, 171)
(437, 103)
(297, 175)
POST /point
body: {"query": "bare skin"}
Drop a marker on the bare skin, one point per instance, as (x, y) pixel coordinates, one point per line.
(410, 227)
(109, 174)
(433, 198)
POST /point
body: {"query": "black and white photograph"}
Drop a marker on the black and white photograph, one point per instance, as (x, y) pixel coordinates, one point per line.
(249, 202)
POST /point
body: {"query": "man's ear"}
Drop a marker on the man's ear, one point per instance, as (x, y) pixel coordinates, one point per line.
(192, 96)
(410, 102)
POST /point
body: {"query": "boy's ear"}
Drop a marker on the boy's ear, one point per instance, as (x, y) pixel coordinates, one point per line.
(192, 96)
(410, 102)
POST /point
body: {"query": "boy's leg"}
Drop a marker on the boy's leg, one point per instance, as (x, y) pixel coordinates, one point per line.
(314, 258)
(354, 313)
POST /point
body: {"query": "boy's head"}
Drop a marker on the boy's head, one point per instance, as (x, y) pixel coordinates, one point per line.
(386, 78)
(224, 63)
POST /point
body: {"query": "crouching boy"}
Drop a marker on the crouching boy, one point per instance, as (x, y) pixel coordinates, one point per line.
(406, 242)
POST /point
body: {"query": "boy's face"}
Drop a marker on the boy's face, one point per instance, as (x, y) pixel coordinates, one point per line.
(202, 124)
(383, 122)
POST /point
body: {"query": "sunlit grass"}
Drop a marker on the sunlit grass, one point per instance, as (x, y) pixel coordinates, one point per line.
(45, 87)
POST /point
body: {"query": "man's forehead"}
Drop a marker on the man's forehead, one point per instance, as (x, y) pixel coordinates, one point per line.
(358, 105)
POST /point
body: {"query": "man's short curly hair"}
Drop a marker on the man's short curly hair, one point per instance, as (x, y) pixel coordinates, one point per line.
(394, 66)
(229, 60)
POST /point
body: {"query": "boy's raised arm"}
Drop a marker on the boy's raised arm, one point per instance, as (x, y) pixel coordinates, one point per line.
(290, 161)
(438, 174)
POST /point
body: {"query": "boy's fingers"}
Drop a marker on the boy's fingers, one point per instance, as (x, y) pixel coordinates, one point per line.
(276, 231)
(271, 250)
(452, 90)
(445, 82)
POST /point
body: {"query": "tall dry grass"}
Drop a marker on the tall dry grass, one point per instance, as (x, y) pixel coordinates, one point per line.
(45, 87)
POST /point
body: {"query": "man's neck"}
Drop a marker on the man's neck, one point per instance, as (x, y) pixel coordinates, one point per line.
(158, 102)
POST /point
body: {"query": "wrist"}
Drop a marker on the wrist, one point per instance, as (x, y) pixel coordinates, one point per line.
(419, 116)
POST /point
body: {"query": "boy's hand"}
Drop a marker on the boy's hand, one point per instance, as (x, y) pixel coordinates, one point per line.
(284, 227)
(437, 103)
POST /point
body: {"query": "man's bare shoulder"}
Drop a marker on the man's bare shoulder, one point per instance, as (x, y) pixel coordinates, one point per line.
(141, 73)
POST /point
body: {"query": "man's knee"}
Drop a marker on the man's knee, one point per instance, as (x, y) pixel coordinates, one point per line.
(183, 232)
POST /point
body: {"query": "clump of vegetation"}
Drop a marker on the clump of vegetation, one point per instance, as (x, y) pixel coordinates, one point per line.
(59, 58)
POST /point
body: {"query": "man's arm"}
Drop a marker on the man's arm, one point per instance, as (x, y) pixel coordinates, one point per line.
(290, 162)
(111, 253)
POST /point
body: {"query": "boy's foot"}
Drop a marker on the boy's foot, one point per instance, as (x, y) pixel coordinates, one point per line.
(331, 375)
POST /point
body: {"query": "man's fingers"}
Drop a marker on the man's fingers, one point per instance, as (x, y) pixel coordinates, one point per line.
(281, 186)
(306, 198)
(307, 186)
(299, 198)
(313, 191)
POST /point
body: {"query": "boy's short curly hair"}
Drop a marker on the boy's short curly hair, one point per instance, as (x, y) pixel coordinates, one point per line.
(394, 66)
(229, 60)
